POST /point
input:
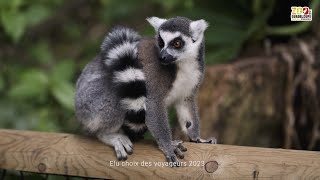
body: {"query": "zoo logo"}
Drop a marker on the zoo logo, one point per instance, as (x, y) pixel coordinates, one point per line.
(299, 13)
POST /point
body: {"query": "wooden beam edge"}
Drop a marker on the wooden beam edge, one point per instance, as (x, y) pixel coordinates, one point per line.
(75, 155)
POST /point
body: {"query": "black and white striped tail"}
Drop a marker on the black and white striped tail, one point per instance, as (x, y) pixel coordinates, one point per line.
(119, 50)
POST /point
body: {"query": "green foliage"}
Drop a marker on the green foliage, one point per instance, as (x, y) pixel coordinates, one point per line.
(41, 53)
(64, 94)
(171, 5)
(1, 83)
(15, 19)
(31, 84)
(14, 24)
(45, 45)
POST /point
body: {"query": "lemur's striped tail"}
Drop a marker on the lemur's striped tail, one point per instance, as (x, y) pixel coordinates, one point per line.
(119, 51)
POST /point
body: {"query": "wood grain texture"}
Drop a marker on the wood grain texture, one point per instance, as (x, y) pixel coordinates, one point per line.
(76, 155)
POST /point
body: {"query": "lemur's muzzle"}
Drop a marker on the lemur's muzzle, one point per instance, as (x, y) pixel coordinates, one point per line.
(166, 58)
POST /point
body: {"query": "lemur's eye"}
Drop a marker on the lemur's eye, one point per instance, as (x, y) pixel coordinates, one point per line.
(160, 42)
(177, 44)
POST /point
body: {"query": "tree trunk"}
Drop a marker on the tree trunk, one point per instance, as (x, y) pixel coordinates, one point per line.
(268, 101)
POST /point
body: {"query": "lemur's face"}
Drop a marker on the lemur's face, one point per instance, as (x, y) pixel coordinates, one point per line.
(173, 46)
(178, 38)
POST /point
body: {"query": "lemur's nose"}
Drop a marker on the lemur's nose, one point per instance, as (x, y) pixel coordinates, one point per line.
(165, 56)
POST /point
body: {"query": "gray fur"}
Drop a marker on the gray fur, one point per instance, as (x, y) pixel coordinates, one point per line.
(177, 24)
(96, 100)
(99, 110)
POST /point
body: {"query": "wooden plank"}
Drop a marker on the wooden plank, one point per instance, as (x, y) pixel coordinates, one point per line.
(76, 155)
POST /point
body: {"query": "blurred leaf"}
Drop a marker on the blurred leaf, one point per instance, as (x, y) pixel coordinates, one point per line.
(1, 83)
(225, 35)
(15, 20)
(14, 115)
(189, 4)
(36, 14)
(105, 2)
(12, 5)
(53, 3)
(64, 70)
(41, 52)
(115, 10)
(45, 120)
(64, 94)
(73, 31)
(14, 24)
(32, 84)
(170, 5)
(222, 54)
(16, 3)
(7, 113)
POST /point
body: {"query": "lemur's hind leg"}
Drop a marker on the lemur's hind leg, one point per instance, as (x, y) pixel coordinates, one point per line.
(121, 143)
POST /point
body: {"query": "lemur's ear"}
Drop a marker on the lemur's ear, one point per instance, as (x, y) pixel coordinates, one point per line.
(197, 28)
(156, 22)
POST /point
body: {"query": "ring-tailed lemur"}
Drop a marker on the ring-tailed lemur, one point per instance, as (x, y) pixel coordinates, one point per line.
(127, 88)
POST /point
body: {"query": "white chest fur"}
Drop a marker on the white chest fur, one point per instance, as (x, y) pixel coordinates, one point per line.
(187, 78)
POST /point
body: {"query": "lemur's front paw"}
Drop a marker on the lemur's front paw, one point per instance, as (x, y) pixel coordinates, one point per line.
(178, 148)
(123, 147)
(173, 160)
(174, 152)
(211, 140)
